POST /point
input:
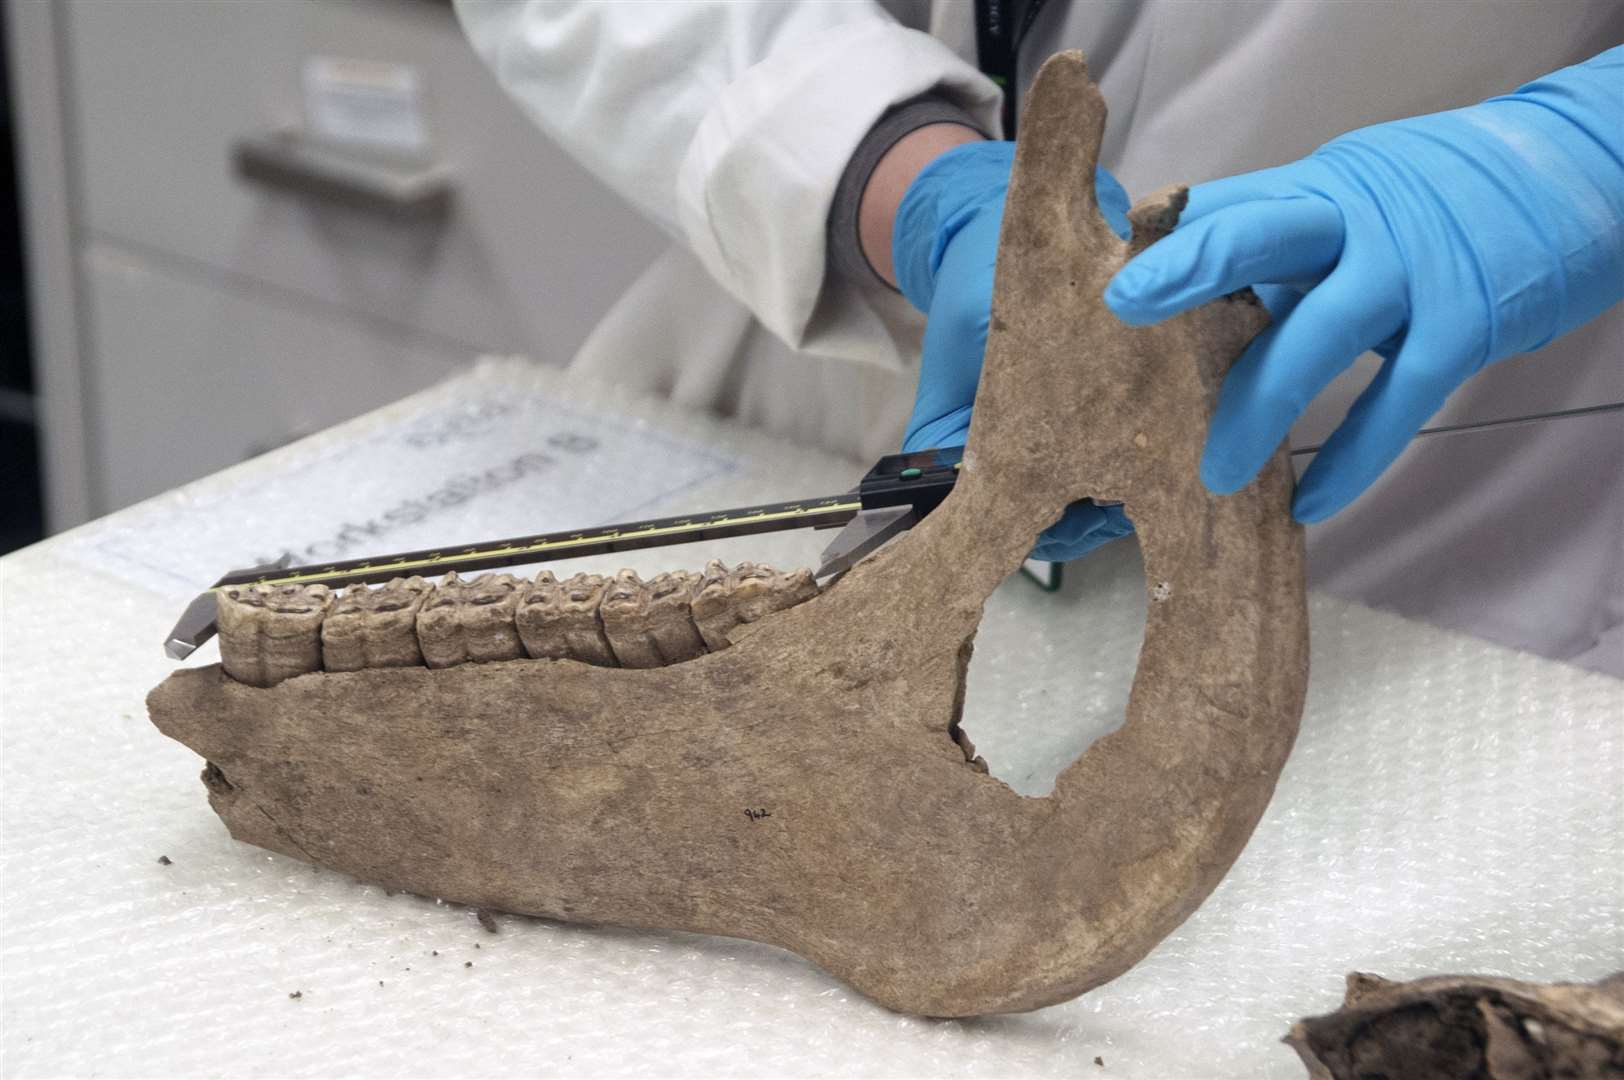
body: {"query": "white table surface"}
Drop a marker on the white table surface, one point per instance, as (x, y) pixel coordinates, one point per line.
(1451, 806)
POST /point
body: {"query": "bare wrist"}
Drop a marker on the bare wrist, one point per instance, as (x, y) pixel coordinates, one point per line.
(889, 182)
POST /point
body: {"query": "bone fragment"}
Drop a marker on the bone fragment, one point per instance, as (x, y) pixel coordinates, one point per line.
(271, 632)
(1449, 1026)
(559, 620)
(374, 628)
(467, 620)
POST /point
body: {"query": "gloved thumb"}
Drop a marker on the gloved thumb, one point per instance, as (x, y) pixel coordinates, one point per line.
(1114, 202)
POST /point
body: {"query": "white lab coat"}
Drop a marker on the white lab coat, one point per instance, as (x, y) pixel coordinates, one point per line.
(729, 125)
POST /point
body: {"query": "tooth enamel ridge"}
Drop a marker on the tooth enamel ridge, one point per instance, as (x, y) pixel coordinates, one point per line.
(271, 633)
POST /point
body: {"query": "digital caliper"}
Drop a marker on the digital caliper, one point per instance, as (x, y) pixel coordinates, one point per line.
(891, 498)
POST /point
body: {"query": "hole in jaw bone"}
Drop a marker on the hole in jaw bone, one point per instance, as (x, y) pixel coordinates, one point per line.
(1051, 672)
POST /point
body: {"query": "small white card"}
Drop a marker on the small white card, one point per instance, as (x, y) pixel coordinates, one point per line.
(497, 464)
(365, 103)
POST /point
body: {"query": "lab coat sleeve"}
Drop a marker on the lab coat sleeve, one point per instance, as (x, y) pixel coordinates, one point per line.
(729, 124)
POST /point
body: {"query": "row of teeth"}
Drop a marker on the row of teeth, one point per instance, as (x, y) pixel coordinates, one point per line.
(270, 633)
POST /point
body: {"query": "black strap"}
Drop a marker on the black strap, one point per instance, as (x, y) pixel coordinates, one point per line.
(1001, 26)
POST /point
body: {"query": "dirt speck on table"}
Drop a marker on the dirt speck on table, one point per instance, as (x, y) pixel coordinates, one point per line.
(296, 995)
(165, 860)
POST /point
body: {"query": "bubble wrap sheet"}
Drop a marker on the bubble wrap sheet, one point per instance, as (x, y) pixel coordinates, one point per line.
(1451, 806)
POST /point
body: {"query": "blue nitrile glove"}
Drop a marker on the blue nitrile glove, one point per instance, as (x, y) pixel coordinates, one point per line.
(1444, 243)
(944, 243)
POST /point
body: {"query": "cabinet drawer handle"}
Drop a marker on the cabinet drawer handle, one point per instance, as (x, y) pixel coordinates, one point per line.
(291, 162)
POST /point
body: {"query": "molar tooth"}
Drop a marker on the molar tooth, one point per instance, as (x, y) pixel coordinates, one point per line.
(729, 599)
(671, 619)
(470, 620)
(781, 591)
(375, 628)
(624, 610)
(560, 619)
(538, 629)
(650, 625)
(713, 607)
(271, 632)
(750, 583)
(583, 628)
(239, 611)
(487, 618)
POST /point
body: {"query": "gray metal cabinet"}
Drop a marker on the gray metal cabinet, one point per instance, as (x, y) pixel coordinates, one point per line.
(252, 373)
(198, 293)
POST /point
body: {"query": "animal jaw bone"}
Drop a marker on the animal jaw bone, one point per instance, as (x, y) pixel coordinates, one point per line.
(803, 787)
(271, 634)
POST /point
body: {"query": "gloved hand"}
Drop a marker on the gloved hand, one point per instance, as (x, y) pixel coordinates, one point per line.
(944, 243)
(1444, 243)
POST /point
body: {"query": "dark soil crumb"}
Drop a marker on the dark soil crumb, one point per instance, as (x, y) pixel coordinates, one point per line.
(1100, 1062)
(467, 963)
(434, 952)
(296, 995)
(165, 860)
(476, 944)
(487, 921)
(380, 982)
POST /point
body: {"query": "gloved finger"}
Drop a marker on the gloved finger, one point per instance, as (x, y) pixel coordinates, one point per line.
(1280, 300)
(956, 326)
(1406, 391)
(1286, 367)
(949, 429)
(1279, 240)
(1279, 182)
(950, 368)
(1114, 202)
(1083, 527)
